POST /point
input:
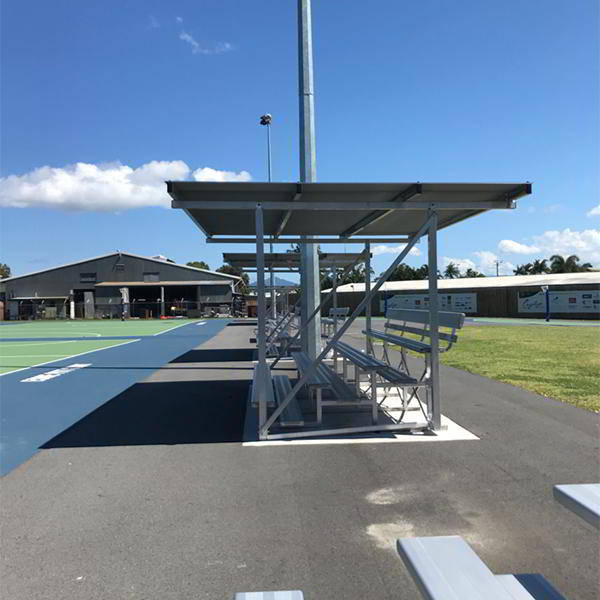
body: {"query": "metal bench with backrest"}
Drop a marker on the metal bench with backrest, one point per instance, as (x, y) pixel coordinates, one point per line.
(323, 377)
(335, 315)
(380, 374)
(447, 568)
(402, 323)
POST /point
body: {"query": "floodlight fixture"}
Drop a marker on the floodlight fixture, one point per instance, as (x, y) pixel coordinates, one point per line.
(266, 119)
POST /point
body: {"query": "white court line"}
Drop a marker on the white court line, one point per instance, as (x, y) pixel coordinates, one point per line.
(68, 357)
(172, 328)
(201, 323)
(63, 333)
(16, 344)
(42, 377)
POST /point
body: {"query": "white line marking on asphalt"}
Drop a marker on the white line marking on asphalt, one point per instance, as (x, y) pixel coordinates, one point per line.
(171, 328)
(55, 373)
(67, 357)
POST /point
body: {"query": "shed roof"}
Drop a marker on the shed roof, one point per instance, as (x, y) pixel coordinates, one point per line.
(117, 253)
(341, 209)
(482, 282)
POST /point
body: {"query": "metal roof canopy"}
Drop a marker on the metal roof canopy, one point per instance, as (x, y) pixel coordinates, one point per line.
(289, 261)
(338, 209)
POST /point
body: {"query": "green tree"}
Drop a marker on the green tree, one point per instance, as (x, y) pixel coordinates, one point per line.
(403, 272)
(560, 264)
(229, 270)
(472, 273)
(198, 264)
(4, 271)
(452, 271)
(539, 266)
(523, 269)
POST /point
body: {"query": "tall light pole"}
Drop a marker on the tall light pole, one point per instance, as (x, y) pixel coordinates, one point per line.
(309, 253)
(266, 120)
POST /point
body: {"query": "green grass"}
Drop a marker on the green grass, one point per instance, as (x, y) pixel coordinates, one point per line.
(19, 355)
(92, 328)
(559, 362)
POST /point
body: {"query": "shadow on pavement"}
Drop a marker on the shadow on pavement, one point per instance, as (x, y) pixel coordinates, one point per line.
(186, 412)
(217, 355)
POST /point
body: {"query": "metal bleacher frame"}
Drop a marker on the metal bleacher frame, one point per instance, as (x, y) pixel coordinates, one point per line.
(400, 213)
(278, 337)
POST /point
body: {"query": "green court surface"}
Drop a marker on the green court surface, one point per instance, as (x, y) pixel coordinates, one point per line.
(20, 355)
(100, 328)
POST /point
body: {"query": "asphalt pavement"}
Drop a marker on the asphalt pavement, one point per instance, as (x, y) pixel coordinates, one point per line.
(153, 496)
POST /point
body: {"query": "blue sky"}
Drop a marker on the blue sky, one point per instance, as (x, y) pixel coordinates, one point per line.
(137, 92)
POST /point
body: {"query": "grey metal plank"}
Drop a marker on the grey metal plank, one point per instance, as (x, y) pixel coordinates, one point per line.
(581, 498)
(447, 568)
(291, 415)
(527, 586)
(399, 341)
(283, 595)
(451, 319)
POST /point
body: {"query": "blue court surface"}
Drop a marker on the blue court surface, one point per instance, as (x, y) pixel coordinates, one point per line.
(39, 402)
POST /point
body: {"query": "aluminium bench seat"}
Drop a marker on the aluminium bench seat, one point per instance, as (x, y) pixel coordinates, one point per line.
(291, 415)
(261, 371)
(323, 377)
(447, 568)
(367, 362)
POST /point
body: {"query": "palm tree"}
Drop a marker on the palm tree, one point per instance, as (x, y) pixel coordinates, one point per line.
(473, 273)
(539, 266)
(560, 264)
(452, 271)
(523, 269)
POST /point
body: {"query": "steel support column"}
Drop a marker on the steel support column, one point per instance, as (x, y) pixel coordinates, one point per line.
(435, 411)
(309, 274)
(367, 290)
(261, 313)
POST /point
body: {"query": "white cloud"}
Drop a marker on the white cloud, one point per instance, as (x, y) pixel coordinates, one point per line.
(594, 212)
(462, 263)
(383, 249)
(512, 247)
(179, 19)
(485, 262)
(208, 174)
(153, 22)
(103, 187)
(218, 48)
(585, 244)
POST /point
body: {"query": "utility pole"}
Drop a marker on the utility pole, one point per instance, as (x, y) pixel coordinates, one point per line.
(498, 263)
(267, 119)
(309, 253)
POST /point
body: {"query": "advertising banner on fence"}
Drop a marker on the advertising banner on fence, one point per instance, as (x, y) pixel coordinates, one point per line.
(466, 303)
(560, 302)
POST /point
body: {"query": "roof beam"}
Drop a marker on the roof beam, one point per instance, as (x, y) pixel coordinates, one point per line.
(335, 206)
(410, 192)
(270, 240)
(286, 217)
